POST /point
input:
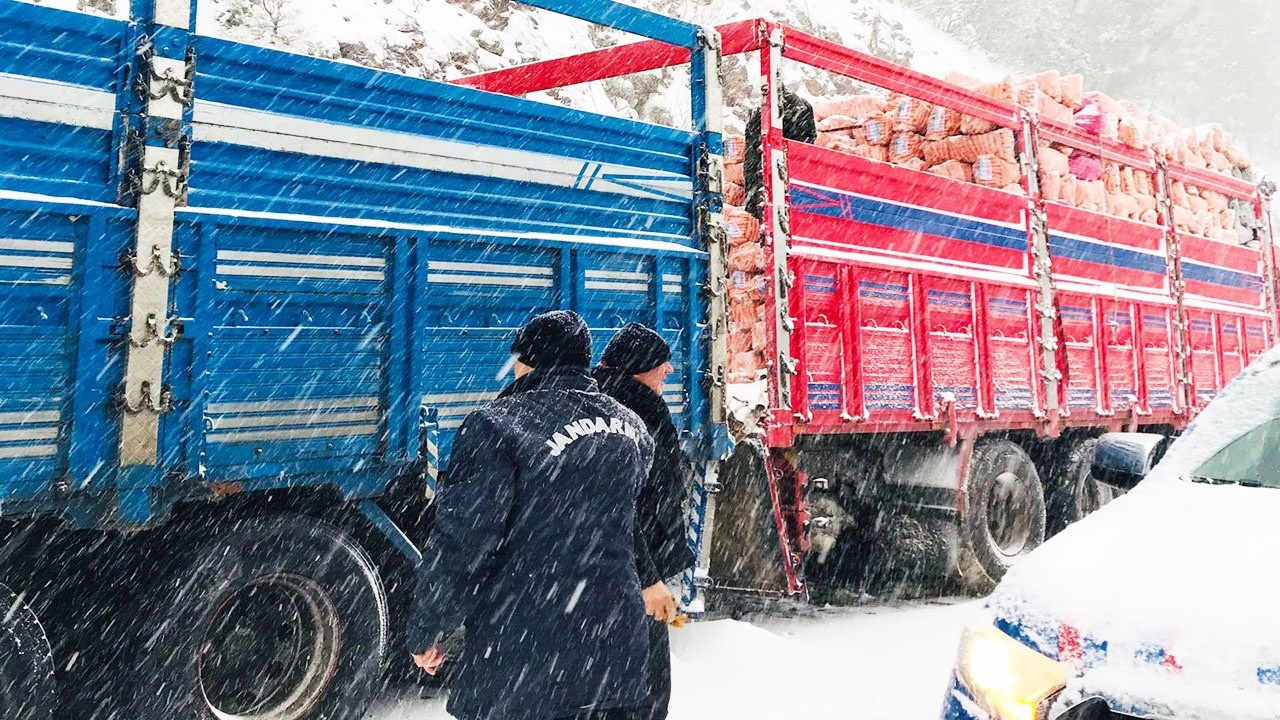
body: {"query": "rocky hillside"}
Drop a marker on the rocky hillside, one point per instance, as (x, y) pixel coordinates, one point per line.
(444, 39)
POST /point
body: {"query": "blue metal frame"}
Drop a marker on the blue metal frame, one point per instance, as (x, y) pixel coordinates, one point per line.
(317, 277)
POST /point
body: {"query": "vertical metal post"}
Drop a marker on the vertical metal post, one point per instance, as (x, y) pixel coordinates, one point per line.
(777, 227)
(1042, 273)
(161, 103)
(1266, 245)
(708, 121)
(1184, 393)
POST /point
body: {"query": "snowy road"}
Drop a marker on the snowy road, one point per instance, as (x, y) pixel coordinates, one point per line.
(870, 663)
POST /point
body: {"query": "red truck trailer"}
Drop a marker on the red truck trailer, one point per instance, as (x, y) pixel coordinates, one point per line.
(938, 356)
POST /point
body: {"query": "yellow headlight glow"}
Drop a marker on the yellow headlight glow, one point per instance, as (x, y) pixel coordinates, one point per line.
(1007, 679)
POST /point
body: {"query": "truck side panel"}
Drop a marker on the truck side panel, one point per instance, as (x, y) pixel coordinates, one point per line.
(367, 242)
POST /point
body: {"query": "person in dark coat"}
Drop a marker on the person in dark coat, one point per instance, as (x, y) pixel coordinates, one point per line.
(633, 369)
(797, 124)
(532, 547)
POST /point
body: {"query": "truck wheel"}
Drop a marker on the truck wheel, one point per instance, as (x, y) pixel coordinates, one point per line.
(280, 618)
(27, 686)
(1005, 513)
(1074, 492)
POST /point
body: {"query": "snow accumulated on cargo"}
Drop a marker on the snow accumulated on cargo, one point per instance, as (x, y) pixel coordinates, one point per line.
(1167, 597)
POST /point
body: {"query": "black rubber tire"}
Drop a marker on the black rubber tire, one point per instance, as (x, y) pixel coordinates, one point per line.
(28, 690)
(1004, 517)
(307, 582)
(1074, 493)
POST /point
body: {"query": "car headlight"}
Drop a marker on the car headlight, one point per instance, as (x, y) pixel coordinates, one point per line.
(1006, 678)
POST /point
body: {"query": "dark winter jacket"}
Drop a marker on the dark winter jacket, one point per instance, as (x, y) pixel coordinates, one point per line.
(662, 548)
(533, 550)
(797, 124)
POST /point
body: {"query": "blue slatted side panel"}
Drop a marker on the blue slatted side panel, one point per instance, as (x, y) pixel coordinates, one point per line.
(384, 146)
(296, 352)
(61, 71)
(38, 254)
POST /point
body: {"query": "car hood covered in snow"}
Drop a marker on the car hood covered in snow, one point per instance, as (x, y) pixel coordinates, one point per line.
(1168, 599)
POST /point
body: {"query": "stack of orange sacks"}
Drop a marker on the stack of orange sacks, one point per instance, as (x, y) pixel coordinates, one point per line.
(916, 135)
(748, 279)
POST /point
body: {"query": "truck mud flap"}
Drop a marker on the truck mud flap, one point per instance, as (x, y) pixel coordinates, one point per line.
(746, 552)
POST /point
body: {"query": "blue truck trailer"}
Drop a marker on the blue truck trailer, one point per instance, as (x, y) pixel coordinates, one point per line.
(247, 297)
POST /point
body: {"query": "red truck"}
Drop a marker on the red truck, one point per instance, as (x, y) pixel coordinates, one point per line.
(939, 356)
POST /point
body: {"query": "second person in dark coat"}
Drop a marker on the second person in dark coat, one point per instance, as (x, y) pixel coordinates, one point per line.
(633, 369)
(533, 543)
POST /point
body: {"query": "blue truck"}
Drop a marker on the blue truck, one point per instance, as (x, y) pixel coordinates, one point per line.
(247, 297)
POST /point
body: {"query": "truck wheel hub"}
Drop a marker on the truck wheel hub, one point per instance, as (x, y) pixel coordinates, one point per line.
(270, 650)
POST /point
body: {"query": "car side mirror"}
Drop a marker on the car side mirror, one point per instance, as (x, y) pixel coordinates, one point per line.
(1123, 459)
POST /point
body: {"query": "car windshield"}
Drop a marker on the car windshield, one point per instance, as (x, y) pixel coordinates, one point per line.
(1253, 459)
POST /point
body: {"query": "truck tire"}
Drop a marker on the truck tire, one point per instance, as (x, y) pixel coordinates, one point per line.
(1004, 516)
(28, 690)
(1074, 493)
(278, 618)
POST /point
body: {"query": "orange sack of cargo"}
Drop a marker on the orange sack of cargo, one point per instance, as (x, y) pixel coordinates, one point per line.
(968, 148)
(1111, 177)
(735, 149)
(1069, 194)
(745, 366)
(1072, 90)
(854, 106)
(1123, 206)
(733, 173)
(970, 125)
(879, 130)
(747, 257)
(1091, 195)
(955, 170)
(1142, 183)
(908, 113)
(836, 141)
(1050, 83)
(742, 227)
(905, 146)
(1051, 187)
(1003, 90)
(872, 152)
(740, 341)
(992, 171)
(1053, 161)
(943, 122)
(1047, 107)
(759, 338)
(735, 194)
(839, 124)
(1127, 182)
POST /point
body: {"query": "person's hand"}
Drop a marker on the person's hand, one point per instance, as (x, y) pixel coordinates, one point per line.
(659, 604)
(430, 659)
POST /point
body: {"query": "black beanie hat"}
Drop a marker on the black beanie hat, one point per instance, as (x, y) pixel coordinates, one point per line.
(556, 338)
(636, 349)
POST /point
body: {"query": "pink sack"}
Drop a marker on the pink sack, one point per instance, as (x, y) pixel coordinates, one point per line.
(1085, 167)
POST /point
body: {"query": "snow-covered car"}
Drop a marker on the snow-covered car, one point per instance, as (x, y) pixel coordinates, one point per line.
(1163, 604)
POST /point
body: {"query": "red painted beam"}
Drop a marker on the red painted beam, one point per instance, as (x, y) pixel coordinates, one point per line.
(617, 61)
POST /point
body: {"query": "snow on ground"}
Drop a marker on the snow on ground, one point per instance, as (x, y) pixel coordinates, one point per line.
(872, 663)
